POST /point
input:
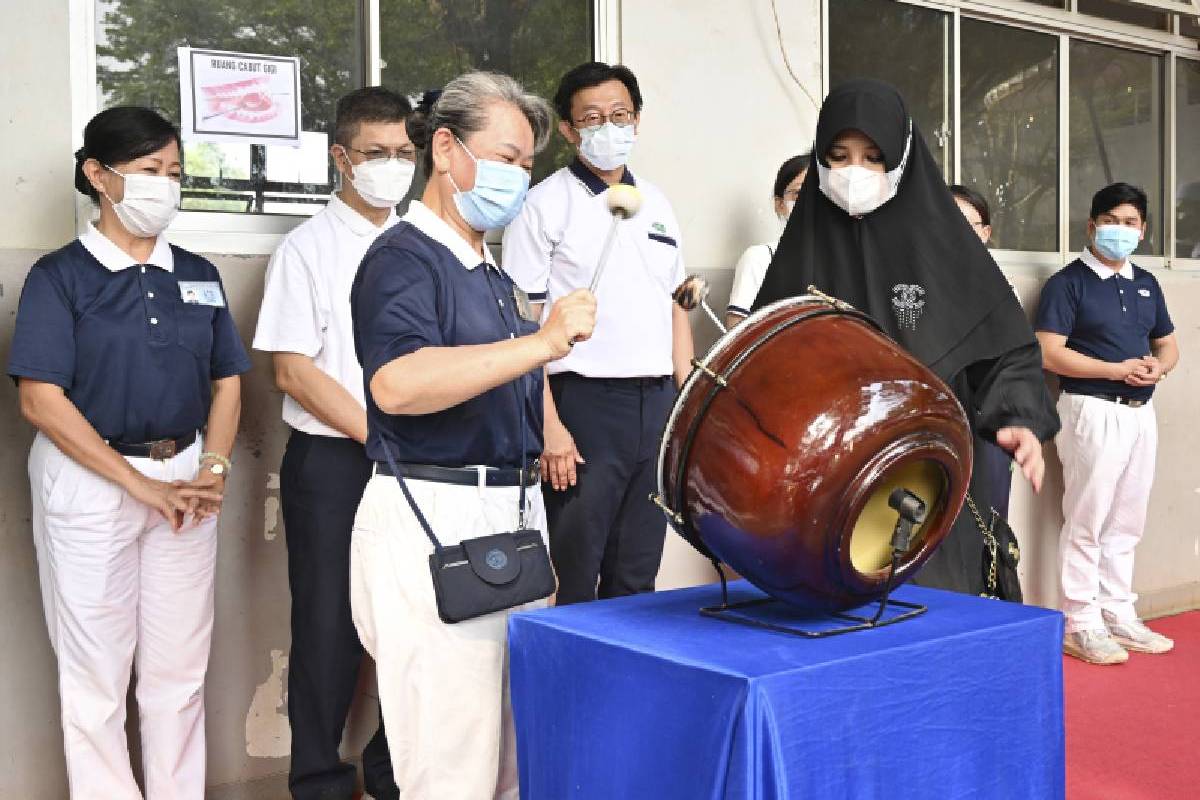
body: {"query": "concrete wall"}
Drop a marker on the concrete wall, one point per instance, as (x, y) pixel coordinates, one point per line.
(721, 113)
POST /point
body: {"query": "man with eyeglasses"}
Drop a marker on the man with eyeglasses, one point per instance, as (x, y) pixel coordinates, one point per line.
(305, 324)
(607, 401)
(1104, 329)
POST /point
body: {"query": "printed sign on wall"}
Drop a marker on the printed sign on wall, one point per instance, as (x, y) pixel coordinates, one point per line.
(239, 97)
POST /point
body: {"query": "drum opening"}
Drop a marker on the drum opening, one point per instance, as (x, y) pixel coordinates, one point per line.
(871, 539)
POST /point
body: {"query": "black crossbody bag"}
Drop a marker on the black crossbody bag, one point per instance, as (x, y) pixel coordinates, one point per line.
(488, 573)
(1001, 555)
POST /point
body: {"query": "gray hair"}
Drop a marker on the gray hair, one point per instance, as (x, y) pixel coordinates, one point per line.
(463, 106)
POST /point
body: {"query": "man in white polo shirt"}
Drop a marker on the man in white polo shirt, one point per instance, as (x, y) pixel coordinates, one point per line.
(606, 402)
(305, 323)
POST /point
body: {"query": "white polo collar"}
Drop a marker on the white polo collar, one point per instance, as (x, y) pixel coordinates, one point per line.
(1103, 271)
(356, 222)
(436, 228)
(115, 259)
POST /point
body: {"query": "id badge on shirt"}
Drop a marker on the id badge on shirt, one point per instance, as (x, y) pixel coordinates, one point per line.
(202, 293)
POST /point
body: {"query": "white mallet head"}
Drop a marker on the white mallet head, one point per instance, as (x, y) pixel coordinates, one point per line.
(624, 200)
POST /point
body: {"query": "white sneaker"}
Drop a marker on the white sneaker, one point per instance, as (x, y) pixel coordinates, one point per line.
(1135, 636)
(1094, 647)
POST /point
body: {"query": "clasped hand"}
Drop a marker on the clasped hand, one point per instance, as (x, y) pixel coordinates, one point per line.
(1144, 371)
(198, 498)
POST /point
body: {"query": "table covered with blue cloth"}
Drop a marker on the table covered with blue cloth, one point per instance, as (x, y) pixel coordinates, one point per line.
(643, 698)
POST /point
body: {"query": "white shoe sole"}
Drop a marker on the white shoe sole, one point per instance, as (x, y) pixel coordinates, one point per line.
(1139, 647)
(1072, 650)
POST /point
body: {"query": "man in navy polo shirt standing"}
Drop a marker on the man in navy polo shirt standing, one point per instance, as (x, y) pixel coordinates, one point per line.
(608, 400)
(1104, 329)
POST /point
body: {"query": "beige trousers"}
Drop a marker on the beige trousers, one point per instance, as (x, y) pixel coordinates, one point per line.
(443, 688)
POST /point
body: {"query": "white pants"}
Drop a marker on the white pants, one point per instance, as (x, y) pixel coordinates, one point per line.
(443, 688)
(121, 588)
(1107, 452)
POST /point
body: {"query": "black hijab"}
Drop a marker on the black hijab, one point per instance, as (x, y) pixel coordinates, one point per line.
(913, 264)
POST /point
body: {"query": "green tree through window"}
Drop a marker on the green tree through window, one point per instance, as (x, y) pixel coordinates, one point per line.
(424, 43)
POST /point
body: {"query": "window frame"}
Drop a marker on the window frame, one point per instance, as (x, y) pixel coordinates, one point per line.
(232, 233)
(1066, 24)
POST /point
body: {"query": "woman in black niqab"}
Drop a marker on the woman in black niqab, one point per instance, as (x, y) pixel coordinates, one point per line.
(914, 264)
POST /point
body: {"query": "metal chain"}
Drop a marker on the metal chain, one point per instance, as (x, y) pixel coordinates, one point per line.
(989, 538)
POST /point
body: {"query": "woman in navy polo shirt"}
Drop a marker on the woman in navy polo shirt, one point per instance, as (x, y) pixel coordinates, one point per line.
(127, 358)
(452, 366)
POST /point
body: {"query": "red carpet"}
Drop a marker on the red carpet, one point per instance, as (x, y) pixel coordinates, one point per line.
(1133, 731)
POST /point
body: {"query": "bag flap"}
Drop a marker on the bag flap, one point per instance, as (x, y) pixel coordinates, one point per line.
(494, 558)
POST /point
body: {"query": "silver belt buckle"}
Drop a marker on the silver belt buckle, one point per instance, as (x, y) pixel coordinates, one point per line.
(162, 449)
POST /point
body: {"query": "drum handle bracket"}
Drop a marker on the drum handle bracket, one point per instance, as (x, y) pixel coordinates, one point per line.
(719, 380)
(840, 305)
(673, 516)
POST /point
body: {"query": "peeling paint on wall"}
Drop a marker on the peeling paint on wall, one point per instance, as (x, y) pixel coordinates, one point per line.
(268, 734)
(270, 518)
(271, 508)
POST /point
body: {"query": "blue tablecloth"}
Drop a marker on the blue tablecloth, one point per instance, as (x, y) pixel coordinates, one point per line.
(641, 698)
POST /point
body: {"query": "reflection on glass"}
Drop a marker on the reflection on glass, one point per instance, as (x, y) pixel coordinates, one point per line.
(136, 64)
(424, 45)
(1187, 159)
(1189, 26)
(1116, 125)
(1010, 131)
(1124, 12)
(904, 45)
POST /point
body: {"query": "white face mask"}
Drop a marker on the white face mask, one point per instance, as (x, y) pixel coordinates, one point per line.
(788, 207)
(858, 190)
(149, 204)
(607, 146)
(382, 182)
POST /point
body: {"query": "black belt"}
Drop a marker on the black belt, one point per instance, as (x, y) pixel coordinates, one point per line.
(651, 381)
(465, 476)
(159, 450)
(1114, 398)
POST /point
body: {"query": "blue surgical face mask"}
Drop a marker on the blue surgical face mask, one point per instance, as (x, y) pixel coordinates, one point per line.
(497, 197)
(1116, 242)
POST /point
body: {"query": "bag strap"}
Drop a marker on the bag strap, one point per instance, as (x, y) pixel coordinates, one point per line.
(387, 452)
(989, 541)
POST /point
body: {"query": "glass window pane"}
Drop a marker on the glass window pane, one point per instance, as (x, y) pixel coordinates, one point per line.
(136, 63)
(1187, 159)
(904, 45)
(1050, 3)
(1116, 126)
(1125, 12)
(424, 45)
(1010, 131)
(1189, 26)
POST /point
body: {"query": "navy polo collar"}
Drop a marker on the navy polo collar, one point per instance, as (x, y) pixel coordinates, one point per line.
(1102, 270)
(592, 181)
(421, 217)
(114, 259)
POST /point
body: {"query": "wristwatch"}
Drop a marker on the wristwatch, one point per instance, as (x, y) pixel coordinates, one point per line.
(220, 465)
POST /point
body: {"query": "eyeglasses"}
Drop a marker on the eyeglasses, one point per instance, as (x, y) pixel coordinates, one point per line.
(376, 153)
(619, 117)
